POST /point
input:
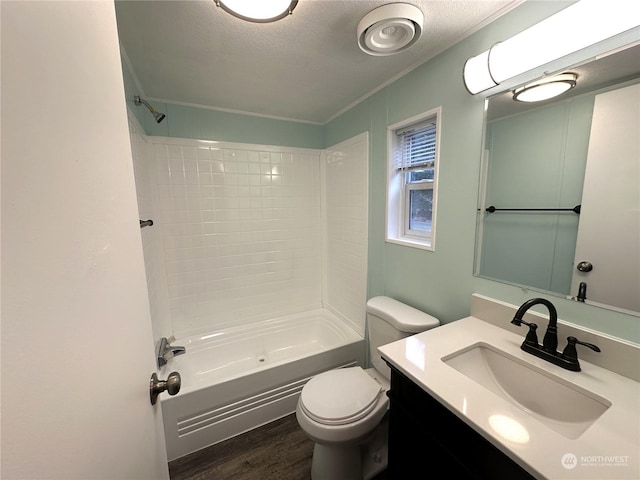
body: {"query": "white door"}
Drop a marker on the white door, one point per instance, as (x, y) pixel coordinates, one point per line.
(77, 347)
(609, 228)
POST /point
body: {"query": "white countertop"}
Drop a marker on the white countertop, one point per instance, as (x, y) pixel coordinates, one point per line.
(608, 449)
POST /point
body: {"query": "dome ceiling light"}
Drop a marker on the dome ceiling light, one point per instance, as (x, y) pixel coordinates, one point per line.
(546, 88)
(390, 29)
(258, 11)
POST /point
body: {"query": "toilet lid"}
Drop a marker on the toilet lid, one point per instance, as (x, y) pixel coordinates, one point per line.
(340, 396)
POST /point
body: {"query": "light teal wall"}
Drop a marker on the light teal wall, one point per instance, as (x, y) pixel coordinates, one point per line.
(441, 282)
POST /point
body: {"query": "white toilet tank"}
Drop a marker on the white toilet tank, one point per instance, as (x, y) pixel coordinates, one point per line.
(389, 320)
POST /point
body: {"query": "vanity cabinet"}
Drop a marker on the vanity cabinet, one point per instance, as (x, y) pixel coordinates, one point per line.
(425, 436)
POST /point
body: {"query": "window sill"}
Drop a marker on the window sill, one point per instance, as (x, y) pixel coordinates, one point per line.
(411, 242)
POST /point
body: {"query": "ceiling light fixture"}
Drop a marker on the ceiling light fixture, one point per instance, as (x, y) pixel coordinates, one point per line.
(258, 11)
(546, 88)
(577, 27)
(390, 29)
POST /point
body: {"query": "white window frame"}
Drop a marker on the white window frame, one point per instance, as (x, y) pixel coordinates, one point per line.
(399, 191)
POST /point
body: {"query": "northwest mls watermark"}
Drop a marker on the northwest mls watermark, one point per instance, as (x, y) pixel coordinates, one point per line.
(571, 461)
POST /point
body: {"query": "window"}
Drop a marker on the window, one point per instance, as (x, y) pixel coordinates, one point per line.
(413, 181)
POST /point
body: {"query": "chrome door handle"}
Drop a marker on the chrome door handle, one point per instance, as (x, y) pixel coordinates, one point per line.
(171, 385)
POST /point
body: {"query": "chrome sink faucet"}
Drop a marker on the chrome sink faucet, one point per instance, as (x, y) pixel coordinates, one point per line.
(568, 359)
(165, 351)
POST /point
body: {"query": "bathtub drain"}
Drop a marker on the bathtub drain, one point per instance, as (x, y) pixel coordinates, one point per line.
(262, 358)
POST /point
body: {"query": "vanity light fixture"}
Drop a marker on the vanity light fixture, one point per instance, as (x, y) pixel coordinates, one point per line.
(577, 27)
(258, 11)
(390, 29)
(546, 88)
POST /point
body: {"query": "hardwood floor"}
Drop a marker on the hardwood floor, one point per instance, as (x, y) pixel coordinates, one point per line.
(279, 450)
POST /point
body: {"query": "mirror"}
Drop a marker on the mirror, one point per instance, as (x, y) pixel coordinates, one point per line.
(559, 206)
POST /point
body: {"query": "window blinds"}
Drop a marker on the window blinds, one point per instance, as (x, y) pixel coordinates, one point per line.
(417, 147)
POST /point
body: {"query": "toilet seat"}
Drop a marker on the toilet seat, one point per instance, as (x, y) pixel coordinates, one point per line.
(341, 396)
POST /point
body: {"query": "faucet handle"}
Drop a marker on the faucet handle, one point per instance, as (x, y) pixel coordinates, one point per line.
(519, 322)
(532, 335)
(571, 354)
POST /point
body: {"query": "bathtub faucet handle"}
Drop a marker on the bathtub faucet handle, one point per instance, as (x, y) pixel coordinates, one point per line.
(165, 351)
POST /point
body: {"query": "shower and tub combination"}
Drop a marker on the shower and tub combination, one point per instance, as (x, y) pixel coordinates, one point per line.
(242, 377)
(255, 270)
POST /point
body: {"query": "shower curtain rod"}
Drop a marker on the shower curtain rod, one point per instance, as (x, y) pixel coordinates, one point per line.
(575, 209)
(146, 223)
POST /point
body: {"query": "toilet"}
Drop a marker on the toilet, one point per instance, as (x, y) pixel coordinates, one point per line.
(344, 411)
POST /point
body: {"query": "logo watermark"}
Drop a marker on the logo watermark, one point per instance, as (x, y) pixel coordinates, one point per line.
(571, 461)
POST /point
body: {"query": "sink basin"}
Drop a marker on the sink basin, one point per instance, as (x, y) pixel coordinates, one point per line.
(559, 404)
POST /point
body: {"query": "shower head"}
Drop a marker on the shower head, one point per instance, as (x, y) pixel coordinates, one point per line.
(156, 114)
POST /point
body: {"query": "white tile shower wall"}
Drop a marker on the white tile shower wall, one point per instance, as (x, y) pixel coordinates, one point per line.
(148, 209)
(346, 182)
(241, 228)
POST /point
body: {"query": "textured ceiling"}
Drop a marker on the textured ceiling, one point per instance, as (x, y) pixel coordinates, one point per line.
(306, 67)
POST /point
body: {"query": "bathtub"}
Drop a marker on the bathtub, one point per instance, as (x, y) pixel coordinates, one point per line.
(243, 377)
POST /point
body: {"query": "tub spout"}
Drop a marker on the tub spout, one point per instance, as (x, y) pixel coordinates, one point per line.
(165, 351)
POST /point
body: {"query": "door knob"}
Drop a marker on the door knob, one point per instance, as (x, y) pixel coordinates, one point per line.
(171, 385)
(584, 267)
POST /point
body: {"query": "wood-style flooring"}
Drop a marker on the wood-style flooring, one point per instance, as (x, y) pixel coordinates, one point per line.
(279, 450)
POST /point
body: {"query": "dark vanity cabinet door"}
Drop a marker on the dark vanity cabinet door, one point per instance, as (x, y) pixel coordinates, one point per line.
(425, 437)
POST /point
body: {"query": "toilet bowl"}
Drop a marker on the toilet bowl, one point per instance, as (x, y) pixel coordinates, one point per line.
(344, 411)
